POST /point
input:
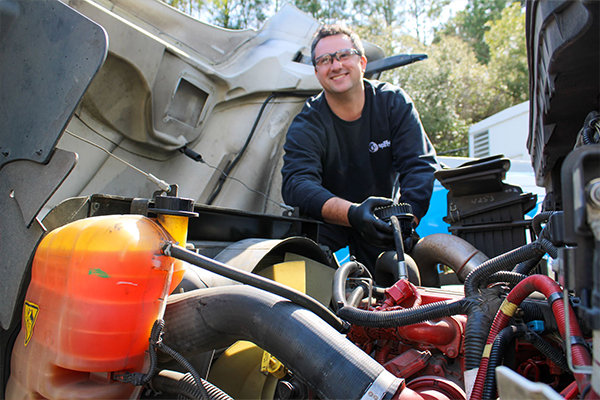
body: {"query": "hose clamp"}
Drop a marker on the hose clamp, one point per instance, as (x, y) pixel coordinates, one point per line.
(384, 387)
(553, 297)
(579, 340)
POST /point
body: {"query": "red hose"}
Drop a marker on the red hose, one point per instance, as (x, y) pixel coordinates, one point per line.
(570, 391)
(547, 286)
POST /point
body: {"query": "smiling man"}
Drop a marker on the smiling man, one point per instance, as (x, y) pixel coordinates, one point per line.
(352, 148)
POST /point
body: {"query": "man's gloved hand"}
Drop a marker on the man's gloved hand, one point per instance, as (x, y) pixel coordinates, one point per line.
(371, 228)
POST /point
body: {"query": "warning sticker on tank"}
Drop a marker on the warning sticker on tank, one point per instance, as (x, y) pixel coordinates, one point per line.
(30, 314)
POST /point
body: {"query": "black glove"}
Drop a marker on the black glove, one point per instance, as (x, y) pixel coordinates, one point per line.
(371, 228)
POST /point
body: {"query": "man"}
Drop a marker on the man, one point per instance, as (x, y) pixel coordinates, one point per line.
(351, 146)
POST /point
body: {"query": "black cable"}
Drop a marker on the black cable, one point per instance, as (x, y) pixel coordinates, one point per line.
(526, 267)
(504, 337)
(548, 350)
(505, 276)
(189, 367)
(138, 378)
(505, 261)
(538, 219)
(403, 317)
(239, 155)
(256, 281)
(184, 386)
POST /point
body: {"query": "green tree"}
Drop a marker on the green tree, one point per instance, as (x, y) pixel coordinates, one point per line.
(508, 56)
(327, 11)
(448, 89)
(423, 13)
(378, 14)
(470, 24)
(190, 7)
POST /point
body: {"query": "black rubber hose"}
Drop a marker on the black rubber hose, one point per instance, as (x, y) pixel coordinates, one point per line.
(183, 385)
(330, 364)
(533, 311)
(341, 276)
(548, 350)
(476, 332)
(549, 247)
(526, 267)
(505, 276)
(256, 281)
(403, 317)
(188, 366)
(504, 337)
(538, 220)
(506, 261)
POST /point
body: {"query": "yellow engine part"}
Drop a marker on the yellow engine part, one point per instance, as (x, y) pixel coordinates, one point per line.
(245, 371)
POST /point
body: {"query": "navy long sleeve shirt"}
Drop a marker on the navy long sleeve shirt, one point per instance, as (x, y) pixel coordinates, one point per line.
(386, 149)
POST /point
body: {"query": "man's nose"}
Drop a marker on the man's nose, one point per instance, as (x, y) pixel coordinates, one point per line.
(335, 60)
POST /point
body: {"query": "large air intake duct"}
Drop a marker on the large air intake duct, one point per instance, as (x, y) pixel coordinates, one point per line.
(335, 368)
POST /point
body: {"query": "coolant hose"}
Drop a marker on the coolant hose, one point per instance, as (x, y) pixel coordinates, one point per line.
(403, 317)
(255, 280)
(552, 291)
(339, 280)
(506, 261)
(440, 248)
(206, 319)
(501, 341)
(183, 385)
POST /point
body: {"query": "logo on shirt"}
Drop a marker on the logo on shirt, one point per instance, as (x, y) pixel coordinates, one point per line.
(373, 147)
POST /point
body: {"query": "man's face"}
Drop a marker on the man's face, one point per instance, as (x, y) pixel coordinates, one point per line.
(339, 77)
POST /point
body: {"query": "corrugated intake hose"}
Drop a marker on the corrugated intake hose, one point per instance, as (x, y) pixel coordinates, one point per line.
(184, 386)
(406, 316)
(503, 339)
(258, 281)
(335, 368)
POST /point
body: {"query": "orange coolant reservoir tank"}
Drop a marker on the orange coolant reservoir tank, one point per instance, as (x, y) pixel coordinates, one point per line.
(97, 286)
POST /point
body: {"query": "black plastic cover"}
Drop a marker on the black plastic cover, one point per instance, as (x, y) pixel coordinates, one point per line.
(563, 45)
(49, 55)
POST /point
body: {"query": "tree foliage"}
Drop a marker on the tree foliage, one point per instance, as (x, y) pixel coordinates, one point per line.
(476, 65)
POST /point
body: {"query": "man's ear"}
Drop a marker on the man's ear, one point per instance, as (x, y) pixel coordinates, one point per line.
(363, 63)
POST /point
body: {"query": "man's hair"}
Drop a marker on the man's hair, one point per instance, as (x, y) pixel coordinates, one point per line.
(335, 29)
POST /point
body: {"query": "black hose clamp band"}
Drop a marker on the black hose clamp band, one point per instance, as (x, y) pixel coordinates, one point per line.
(553, 297)
(579, 340)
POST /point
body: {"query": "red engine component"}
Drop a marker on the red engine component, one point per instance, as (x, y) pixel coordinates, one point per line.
(431, 353)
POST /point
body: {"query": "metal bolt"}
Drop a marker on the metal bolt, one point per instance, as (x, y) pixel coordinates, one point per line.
(437, 369)
(451, 352)
(5, 153)
(39, 152)
(593, 190)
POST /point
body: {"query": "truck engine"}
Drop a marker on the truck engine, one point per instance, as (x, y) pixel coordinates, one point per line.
(196, 291)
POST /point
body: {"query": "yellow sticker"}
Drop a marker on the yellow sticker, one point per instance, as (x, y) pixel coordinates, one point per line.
(30, 314)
